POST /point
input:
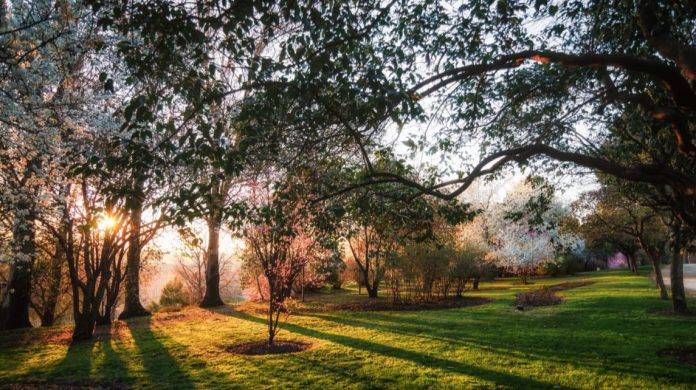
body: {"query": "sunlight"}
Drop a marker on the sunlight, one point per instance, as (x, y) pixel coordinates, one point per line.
(106, 222)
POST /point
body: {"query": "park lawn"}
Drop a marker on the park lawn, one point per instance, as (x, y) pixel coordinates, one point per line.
(606, 335)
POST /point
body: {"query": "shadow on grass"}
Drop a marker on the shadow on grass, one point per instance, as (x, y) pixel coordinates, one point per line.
(89, 363)
(76, 365)
(591, 334)
(499, 378)
(161, 368)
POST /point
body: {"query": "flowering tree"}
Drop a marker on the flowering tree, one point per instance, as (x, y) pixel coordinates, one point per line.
(526, 230)
(44, 92)
(522, 250)
(283, 235)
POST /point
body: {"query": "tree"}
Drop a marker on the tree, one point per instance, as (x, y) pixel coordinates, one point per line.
(625, 224)
(173, 294)
(192, 265)
(284, 233)
(375, 224)
(45, 88)
(526, 229)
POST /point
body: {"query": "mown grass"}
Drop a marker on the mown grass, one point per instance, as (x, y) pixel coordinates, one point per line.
(605, 335)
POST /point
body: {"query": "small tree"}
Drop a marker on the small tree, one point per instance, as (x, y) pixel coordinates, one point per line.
(283, 236)
(173, 294)
(380, 218)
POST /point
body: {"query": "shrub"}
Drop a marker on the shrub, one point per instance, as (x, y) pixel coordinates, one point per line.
(153, 307)
(544, 296)
(565, 264)
(173, 294)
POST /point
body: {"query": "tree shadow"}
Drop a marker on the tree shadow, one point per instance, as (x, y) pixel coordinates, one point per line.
(87, 363)
(499, 378)
(162, 369)
(76, 365)
(577, 336)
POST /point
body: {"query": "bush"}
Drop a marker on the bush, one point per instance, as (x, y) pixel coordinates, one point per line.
(544, 296)
(563, 265)
(173, 294)
(153, 307)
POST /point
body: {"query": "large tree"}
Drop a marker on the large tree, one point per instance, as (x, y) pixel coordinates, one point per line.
(518, 78)
(616, 217)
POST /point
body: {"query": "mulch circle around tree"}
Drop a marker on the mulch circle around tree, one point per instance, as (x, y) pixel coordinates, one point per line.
(685, 355)
(389, 305)
(262, 347)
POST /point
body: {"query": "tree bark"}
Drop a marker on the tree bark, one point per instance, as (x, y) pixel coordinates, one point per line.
(677, 273)
(132, 306)
(84, 327)
(212, 271)
(48, 317)
(655, 261)
(372, 291)
(14, 312)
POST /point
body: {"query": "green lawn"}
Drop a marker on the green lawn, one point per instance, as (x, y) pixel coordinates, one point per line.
(606, 335)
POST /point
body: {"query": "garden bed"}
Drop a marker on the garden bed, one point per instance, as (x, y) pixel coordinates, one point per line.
(262, 347)
(545, 296)
(411, 305)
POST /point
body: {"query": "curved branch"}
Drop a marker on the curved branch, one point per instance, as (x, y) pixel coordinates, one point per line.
(651, 174)
(678, 86)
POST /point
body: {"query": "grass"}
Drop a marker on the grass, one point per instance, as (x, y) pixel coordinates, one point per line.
(605, 335)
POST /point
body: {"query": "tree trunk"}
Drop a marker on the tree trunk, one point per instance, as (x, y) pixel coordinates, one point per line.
(271, 331)
(655, 261)
(48, 317)
(303, 281)
(84, 327)
(14, 312)
(659, 280)
(476, 283)
(132, 306)
(523, 276)
(372, 290)
(212, 271)
(677, 273)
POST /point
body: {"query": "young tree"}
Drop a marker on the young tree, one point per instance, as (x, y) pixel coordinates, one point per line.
(283, 236)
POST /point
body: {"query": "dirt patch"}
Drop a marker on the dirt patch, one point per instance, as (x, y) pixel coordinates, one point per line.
(388, 305)
(545, 296)
(262, 347)
(685, 355)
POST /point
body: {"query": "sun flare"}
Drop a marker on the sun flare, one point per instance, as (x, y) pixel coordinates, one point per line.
(106, 222)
